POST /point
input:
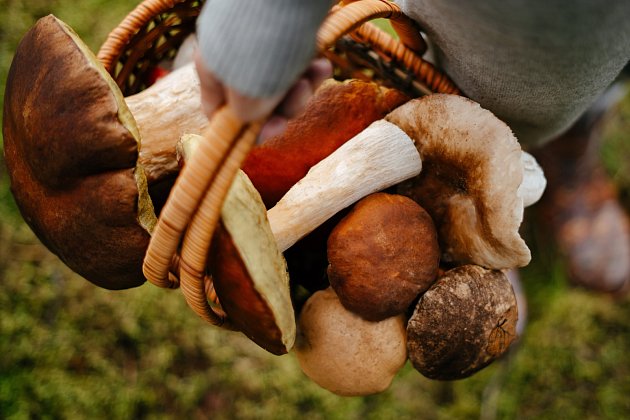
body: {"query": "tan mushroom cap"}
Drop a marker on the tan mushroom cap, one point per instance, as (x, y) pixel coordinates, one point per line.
(466, 320)
(249, 272)
(382, 255)
(71, 147)
(472, 171)
(344, 353)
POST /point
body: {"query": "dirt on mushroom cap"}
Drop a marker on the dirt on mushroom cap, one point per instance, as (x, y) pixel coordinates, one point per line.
(462, 323)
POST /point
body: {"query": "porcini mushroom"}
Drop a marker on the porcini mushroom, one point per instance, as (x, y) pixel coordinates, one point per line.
(249, 273)
(466, 320)
(382, 255)
(337, 112)
(248, 270)
(344, 353)
(473, 169)
(72, 147)
(473, 187)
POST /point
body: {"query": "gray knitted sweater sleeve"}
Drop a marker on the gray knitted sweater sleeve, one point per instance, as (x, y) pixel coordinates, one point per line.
(259, 47)
(536, 64)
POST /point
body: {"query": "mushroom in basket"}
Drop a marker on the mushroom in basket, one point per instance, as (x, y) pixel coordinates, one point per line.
(72, 147)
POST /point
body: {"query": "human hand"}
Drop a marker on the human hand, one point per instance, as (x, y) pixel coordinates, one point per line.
(279, 107)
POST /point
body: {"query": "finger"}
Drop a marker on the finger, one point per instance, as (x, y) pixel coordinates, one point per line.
(212, 92)
(251, 109)
(275, 126)
(319, 70)
(296, 99)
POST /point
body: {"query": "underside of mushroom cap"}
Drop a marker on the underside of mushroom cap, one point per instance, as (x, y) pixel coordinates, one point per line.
(71, 147)
(249, 272)
(471, 173)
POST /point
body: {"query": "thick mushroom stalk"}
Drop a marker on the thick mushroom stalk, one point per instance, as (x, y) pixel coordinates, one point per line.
(72, 146)
(375, 159)
(473, 183)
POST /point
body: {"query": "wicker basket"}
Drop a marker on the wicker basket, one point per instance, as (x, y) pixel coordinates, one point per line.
(154, 31)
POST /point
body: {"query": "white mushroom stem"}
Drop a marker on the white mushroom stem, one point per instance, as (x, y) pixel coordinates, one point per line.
(534, 182)
(164, 112)
(380, 156)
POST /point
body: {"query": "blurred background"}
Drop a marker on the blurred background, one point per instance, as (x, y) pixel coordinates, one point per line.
(71, 350)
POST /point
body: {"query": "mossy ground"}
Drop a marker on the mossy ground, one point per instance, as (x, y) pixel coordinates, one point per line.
(71, 350)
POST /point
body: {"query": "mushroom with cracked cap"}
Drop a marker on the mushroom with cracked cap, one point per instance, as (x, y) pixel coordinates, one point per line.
(466, 320)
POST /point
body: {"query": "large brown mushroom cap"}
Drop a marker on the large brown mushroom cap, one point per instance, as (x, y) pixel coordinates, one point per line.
(382, 255)
(462, 323)
(249, 272)
(469, 184)
(71, 147)
(337, 112)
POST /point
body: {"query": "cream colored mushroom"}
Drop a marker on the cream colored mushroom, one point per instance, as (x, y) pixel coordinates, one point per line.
(474, 184)
(344, 353)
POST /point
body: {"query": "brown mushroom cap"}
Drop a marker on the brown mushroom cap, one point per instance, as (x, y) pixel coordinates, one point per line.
(382, 255)
(344, 353)
(71, 147)
(337, 112)
(466, 320)
(469, 184)
(249, 272)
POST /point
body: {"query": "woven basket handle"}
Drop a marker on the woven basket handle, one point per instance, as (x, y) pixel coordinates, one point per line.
(351, 14)
(194, 205)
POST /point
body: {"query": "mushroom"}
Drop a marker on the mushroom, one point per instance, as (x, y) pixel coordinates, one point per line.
(72, 145)
(466, 320)
(382, 255)
(337, 112)
(249, 273)
(474, 186)
(344, 353)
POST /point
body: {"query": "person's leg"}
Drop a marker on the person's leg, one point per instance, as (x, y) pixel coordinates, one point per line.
(580, 203)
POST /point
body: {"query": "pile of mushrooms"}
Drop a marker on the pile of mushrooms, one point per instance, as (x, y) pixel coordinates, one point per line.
(422, 201)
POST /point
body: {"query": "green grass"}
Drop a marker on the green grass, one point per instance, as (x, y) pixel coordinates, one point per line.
(71, 350)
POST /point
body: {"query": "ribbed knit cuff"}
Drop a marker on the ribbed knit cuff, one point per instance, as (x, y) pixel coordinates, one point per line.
(259, 47)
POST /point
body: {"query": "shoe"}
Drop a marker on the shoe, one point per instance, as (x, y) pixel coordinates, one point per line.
(581, 209)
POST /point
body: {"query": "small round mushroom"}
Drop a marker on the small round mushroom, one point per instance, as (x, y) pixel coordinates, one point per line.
(472, 171)
(382, 255)
(344, 353)
(466, 320)
(72, 147)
